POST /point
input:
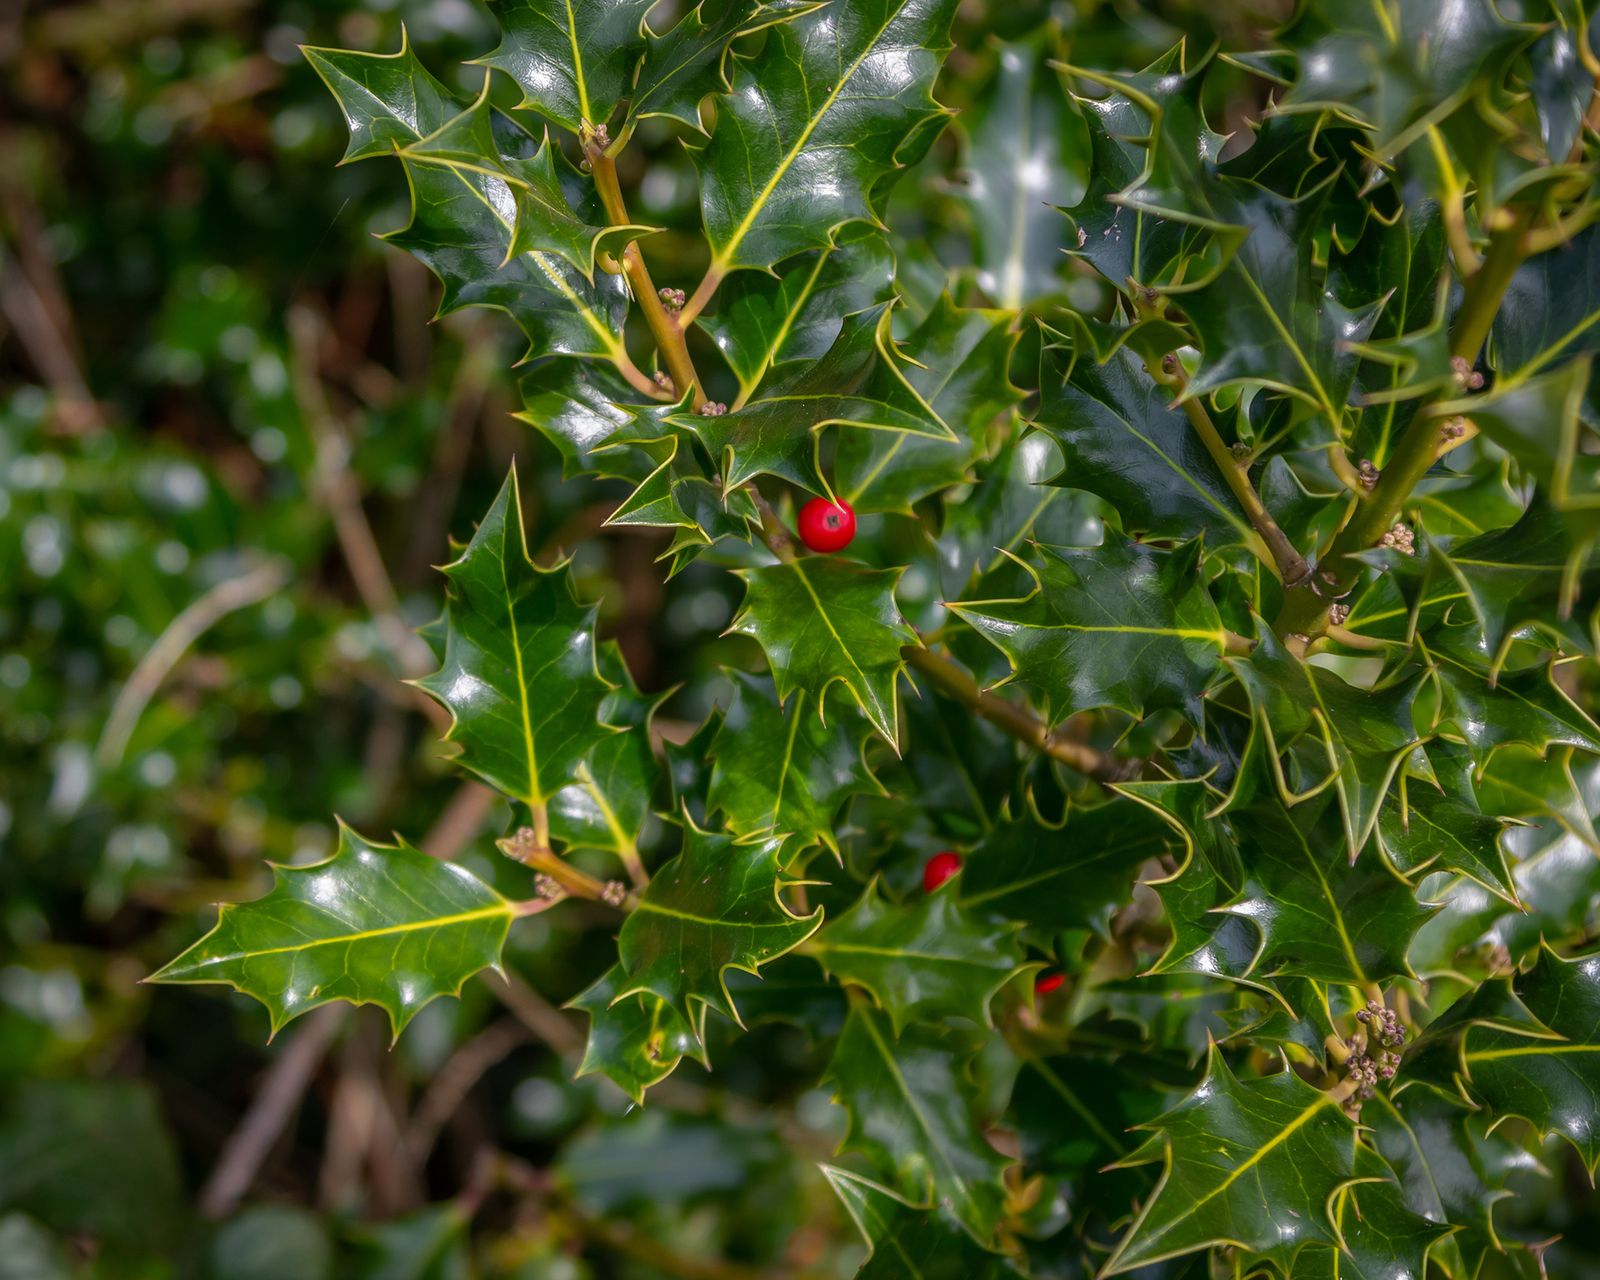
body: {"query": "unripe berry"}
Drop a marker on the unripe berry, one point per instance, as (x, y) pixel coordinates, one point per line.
(827, 526)
(940, 868)
(1048, 981)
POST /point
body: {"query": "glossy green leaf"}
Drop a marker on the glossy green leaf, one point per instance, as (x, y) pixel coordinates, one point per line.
(911, 1119)
(635, 1040)
(1070, 637)
(389, 100)
(858, 385)
(716, 906)
(374, 924)
(688, 62)
(796, 314)
(815, 122)
(574, 59)
(922, 960)
(1065, 876)
(823, 621)
(960, 361)
(782, 771)
(1121, 441)
(1224, 1145)
(1023, 153)
(1361, 734)
(519, 675)
(907, 1241)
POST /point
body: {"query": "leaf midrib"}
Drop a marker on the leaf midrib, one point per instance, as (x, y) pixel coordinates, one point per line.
(723, 258)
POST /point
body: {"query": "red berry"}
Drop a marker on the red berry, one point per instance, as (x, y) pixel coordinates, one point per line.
(827, 526)
(1048, 981)
(940, 868)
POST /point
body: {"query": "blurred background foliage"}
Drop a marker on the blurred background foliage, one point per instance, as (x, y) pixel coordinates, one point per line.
(231, 448)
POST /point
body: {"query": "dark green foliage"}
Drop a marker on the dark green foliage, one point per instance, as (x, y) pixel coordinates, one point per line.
(1216, 401)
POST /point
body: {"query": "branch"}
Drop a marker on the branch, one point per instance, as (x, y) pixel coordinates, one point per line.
(336, 487)
(1291, 565)
(193, 621)
(1018, 721)
(273, 1106)
(667, 329)
(1304, 615)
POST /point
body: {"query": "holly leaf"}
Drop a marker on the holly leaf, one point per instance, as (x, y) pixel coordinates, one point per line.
(586, 412)
(1525, 576)
(906, 1240)
(1250, 1165)
(1023, 149)
(1526, 708)
(1362, 734)
(1380, 1237)
(780, 770)
(1549, 312)
(463, 224)
(1452, 1169)
(482, 143)
(836, 101)
(1211, 873)
(463, 229)
(689, 62)
(374, 924)
(826, 621)
(519, 676)
(909, 1103)
(1265, 319)
(574, 59)
(389, 100)
(796, 313)
(635, 1040)
(1548, 1073)
(1317, 918)
(1123, 242)
(1122, 441)
(857, 385)
(1420, 832)
(714, 907)
(608, 805)
(1068, 875)
(960, 361)
(922, 960)
(1071, 637)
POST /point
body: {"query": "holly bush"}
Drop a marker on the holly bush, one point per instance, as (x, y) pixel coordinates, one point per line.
(1151, 794)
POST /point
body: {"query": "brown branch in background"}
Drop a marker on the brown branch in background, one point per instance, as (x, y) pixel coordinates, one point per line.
(453, 1083)
(44, 330)
(1018, 721)
(193, 621)
(536, 1013)
(273, 1106)
(336, 486)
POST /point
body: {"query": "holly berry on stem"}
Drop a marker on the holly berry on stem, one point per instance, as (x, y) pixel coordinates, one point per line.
(940, 868)
(827, 526)
(1048, 981)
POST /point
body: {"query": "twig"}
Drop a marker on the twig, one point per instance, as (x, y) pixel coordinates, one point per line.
(536, 1013)
(273, 1106)
(1018, 721)
(454, 1081)
(336, 486)
(193, 621)
(48, 348)
(665, 328)
(459, 821)
(772, 529)
(1290, 564)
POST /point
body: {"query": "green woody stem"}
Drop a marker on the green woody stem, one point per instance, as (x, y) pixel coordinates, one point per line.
(1304, 615)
